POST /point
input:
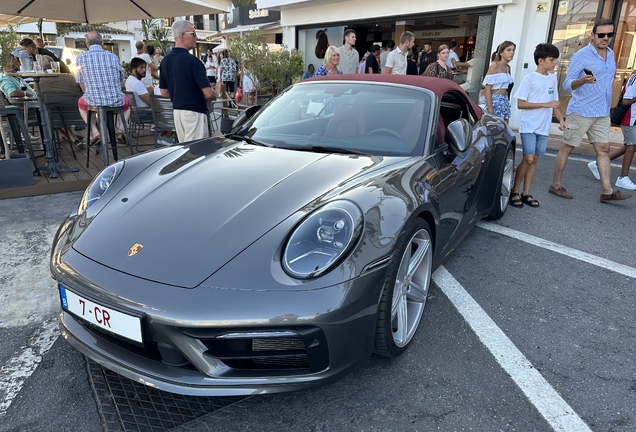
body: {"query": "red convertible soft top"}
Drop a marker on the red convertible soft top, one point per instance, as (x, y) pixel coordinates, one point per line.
(439, 86)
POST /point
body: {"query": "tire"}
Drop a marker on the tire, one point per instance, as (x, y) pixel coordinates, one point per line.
(405, 290)
(504, 186)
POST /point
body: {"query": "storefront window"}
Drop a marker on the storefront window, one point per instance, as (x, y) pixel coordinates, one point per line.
(624, 45)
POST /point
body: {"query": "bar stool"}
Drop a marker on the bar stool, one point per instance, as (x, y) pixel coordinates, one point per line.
(106, 117)
(19, 130)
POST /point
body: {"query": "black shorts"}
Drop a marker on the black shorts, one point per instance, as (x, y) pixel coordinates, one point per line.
(229, 86)
(212, 79)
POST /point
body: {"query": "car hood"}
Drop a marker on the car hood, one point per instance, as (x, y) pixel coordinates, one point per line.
(195, 212)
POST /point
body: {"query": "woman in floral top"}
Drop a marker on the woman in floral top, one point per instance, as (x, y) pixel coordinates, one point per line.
(330, 66)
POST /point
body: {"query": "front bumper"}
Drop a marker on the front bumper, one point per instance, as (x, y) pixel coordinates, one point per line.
(324, 332)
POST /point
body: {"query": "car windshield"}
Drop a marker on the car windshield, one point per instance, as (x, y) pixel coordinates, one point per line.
(347, 117)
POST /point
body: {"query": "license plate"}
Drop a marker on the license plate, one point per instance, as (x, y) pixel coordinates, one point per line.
(101, 316)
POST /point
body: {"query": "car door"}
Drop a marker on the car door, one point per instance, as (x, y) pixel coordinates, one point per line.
(457, 184)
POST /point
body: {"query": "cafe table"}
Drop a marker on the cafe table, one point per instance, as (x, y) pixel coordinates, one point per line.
(52, 165)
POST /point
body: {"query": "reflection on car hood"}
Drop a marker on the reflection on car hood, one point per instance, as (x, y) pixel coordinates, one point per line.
(195, 212)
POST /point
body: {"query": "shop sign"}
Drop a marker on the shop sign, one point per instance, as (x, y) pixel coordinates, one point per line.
(250, 14)
(258, 13)
(441, 33)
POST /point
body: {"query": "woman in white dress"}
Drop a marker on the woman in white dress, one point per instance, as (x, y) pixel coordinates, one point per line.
(249, 91)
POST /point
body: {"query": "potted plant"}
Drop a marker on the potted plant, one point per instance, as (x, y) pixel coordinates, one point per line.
(271, 69)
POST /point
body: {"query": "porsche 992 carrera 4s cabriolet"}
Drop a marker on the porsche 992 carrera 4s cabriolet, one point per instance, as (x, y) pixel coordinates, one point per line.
(277, 257)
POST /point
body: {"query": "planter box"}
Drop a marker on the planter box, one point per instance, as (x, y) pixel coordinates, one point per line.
(16, 171)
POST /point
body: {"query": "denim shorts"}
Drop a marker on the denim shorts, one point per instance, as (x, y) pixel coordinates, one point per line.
(533, 143)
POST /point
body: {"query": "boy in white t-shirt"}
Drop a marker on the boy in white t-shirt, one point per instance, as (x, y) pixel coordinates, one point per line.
(538, 99)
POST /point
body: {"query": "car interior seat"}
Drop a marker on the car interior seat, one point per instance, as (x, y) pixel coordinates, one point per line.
(347, 120)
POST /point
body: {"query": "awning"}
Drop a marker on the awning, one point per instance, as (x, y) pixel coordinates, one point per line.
(245, 28)
(221, 45)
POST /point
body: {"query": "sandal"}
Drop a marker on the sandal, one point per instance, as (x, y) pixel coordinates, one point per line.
(515, 200)
(529, 201)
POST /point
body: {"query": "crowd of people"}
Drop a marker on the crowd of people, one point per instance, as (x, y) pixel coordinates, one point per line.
(590, 75)
(191, 83)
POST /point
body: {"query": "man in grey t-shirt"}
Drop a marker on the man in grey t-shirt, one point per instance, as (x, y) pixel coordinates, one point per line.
(349, 57)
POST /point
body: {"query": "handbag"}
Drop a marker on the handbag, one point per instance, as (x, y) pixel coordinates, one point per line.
(239, 94)
(619, 112)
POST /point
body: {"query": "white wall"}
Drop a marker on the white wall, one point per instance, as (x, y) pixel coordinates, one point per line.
(314, 12)
(527, 28)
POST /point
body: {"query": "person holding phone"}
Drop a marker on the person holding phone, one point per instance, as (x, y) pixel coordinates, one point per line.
(590, 76)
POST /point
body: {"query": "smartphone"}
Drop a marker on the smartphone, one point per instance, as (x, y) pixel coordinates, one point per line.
(587, 71)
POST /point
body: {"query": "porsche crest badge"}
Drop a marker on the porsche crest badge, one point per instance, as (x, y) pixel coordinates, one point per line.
(134, 250)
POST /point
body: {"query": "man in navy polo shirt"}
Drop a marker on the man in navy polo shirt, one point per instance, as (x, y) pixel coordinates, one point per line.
(184, 81)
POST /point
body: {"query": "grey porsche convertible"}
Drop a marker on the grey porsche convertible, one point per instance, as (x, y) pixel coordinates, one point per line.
(277, 257)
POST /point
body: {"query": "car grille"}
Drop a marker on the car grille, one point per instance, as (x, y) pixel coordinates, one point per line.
(297, 350)
(246, 351)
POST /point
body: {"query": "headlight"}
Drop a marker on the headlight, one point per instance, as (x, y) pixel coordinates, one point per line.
(99, 185)
(318, 243)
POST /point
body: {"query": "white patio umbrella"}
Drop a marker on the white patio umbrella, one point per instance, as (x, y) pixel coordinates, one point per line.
(101, 11)
(15, 20)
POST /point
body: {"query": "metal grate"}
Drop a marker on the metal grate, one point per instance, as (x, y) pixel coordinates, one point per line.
(278, 344)
(126, 405)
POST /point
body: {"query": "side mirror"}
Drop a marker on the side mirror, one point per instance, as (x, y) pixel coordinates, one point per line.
(68, 62)
(244, 117)
(458, 135)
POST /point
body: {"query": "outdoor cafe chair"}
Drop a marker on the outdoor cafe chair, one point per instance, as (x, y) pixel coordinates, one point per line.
(139, 116)
(63, 113)
(163, 115)
(12, 118)
(109, 115)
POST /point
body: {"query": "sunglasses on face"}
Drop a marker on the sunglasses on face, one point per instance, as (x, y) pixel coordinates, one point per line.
(193, 33)
(602, 35)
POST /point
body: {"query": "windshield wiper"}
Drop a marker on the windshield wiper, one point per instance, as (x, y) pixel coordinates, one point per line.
(328, 149)
(248, 140)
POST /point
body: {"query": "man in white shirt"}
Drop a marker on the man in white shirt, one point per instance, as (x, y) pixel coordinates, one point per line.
(396, 61)
(452, 55)
(349, 57)
(143, 55)
(134, 83)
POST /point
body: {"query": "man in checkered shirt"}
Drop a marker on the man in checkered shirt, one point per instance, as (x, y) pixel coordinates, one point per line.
(100, 75)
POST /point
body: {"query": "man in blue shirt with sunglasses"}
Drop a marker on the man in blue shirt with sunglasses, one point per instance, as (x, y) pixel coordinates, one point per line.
(590, 76)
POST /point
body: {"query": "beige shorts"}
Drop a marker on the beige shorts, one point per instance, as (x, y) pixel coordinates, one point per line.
(190, 125)
(596, 128)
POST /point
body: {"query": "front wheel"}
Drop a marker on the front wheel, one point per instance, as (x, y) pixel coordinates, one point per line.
(405, 290)
(504, 186)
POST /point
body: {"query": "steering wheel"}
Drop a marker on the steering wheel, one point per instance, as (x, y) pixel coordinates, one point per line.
(386, 131)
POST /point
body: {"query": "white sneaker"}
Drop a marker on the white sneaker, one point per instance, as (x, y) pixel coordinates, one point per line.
(594, 169)
(625, 183)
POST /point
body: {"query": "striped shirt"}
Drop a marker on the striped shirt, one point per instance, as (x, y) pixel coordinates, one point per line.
(591, 100)
(100, 72)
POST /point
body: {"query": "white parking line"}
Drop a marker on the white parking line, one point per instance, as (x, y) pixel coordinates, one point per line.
(540, 393)
(563, 250)
(18, 369)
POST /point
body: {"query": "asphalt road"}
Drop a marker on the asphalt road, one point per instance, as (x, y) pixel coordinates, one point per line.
(547, 344)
